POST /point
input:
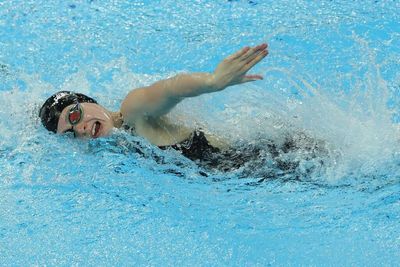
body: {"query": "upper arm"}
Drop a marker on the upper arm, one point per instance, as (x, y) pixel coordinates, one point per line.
(152, 101)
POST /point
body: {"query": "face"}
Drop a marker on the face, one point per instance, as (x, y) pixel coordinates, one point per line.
(95, 122)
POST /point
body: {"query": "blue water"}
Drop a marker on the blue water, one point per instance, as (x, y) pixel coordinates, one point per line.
(332, 74)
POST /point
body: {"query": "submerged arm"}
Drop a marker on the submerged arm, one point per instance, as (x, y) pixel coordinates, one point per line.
(158, 99)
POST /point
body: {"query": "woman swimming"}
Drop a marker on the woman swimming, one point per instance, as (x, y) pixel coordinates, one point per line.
(143, 110)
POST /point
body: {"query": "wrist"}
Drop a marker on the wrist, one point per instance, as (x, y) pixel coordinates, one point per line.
(213, 83)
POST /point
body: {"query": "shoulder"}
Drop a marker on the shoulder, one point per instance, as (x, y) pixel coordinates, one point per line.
(132, 105)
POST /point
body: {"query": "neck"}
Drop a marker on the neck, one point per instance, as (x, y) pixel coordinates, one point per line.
(117, 118)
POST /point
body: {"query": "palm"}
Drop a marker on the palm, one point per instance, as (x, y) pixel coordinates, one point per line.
(233, 69)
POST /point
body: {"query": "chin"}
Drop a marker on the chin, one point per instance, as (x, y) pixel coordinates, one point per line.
(106, 132)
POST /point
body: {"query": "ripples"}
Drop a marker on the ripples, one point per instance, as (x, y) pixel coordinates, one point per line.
(323, 189)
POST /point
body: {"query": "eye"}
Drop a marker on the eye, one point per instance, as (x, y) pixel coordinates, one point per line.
(70, 132)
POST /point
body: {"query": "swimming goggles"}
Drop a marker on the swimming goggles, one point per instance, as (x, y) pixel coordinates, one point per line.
(75, 114)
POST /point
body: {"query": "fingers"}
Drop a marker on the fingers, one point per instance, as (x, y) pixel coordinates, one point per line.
(250, 78)
(254, 60)
(239, 53)
(238, 64)
(254, 77)
(247, 54)
(253, 52)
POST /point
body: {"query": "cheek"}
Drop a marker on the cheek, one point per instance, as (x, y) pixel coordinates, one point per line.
(106, 128)
(95, 113)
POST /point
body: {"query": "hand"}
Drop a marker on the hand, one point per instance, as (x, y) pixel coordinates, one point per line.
(232, 70)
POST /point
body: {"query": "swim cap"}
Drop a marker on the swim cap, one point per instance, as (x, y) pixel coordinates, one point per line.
(50, 111)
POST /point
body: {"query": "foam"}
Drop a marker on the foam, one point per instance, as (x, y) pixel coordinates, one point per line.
(356, 126)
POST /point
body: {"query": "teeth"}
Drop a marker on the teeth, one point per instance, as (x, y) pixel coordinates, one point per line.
(94, 129)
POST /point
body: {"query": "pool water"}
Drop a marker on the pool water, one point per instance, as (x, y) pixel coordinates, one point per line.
(332, 75)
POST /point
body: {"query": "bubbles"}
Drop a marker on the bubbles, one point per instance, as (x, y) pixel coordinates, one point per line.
(324, 121)
(354, 131)
(329, 76)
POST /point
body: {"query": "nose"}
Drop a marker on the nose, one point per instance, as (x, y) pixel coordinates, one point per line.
(81, 129)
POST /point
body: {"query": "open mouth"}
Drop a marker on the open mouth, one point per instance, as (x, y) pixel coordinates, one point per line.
(96, 129)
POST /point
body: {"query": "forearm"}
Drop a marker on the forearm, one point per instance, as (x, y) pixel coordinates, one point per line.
(190, 85)
(231, 71)
(159, 98)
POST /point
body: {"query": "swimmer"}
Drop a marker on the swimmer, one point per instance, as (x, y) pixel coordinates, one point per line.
(143, 110)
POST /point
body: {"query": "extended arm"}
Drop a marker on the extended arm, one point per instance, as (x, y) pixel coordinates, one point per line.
(159, 98)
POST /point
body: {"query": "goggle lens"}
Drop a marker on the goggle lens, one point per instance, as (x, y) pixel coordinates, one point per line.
(75, 114)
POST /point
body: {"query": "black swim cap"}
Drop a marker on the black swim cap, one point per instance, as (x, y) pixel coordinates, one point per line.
(50, 111)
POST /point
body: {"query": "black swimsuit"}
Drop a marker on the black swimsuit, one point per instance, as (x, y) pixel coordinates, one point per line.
(195, 147)
(251, 156)
(198, 149)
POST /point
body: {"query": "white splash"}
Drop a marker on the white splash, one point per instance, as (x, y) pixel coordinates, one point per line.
(356, 127)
